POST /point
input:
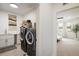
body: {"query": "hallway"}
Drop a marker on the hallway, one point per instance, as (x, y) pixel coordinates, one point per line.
(68, 47)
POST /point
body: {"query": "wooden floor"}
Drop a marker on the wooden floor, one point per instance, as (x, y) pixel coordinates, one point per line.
(68, 47)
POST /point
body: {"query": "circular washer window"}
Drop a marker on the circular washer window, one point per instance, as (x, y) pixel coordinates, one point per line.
(29, 37)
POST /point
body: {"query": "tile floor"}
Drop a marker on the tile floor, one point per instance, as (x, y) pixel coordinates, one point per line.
(14, 52)
(68, 47)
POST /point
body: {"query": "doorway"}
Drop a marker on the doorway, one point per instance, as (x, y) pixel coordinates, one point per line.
(68, 41)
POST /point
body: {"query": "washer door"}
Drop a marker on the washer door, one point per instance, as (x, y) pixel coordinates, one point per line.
(29, 37)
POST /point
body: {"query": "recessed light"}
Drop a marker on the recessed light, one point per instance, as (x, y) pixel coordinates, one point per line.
(14, 5)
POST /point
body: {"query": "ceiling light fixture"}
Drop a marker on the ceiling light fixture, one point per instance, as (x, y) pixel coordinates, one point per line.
(14, 5)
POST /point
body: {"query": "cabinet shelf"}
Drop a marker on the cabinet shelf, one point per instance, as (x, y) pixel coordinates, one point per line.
(12, 19)
(12, 25)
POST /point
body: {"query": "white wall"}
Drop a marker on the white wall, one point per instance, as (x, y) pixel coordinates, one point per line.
(32, 15)
(4, 22)
(46, 43)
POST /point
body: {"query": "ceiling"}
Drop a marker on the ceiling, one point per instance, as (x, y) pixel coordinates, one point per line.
(23, 7)
(69, 14)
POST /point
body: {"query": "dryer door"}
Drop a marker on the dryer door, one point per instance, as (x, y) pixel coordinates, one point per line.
(29, 37)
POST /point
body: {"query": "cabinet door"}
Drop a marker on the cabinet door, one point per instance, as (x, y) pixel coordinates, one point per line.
(2, 41)
(10, 40)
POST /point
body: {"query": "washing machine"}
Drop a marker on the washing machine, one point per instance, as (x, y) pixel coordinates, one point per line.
(31, 42)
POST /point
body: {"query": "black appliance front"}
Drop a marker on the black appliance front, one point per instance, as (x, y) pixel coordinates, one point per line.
(31, 42)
